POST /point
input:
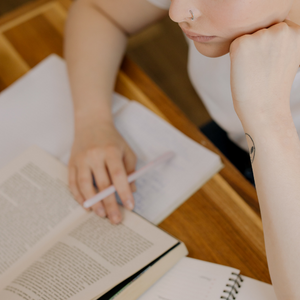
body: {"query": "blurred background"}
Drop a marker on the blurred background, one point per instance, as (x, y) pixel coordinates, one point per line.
(161, 51)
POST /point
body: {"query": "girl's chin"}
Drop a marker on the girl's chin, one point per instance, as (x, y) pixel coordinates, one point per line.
(213, 49)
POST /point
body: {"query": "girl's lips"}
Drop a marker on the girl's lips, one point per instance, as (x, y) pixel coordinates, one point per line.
(199, 38)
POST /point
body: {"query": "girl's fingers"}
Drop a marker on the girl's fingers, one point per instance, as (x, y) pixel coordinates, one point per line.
(133, 187)
(109, 167)
(109, 205)
(130, 165)
(99, 209)
(85, 181)
(112, 209)
(74, 189)
(118, 175)
(129, 161)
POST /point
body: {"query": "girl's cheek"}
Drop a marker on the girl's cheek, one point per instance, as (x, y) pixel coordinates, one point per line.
(224, 19)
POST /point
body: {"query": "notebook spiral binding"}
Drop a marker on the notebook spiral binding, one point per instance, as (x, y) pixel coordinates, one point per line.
(233, 287)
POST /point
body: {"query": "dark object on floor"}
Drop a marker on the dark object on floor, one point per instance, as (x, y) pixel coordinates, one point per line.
(237, 156)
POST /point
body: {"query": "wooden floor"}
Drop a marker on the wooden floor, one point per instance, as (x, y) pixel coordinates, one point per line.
(161, 51)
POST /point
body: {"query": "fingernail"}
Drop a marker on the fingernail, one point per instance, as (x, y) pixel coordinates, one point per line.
(115, 218)
(101, 212)
(129, 204)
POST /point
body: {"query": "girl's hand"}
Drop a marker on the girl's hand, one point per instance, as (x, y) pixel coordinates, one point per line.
(100, 152)
(263, 67)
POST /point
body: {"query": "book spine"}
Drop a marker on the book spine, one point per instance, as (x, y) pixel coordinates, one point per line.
(232, 287)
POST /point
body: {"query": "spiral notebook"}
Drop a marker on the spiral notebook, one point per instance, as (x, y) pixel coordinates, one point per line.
(195, 279)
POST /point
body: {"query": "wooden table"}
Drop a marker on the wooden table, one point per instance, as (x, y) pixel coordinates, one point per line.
(219, 223)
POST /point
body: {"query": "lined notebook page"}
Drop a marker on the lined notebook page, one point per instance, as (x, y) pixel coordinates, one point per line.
(191, 279)
(255, 290)
(161, 190)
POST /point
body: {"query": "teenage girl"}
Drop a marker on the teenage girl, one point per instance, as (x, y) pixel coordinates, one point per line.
(248, 92)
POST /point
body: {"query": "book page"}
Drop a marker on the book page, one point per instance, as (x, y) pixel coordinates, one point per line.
(191, 279)
(52, 249)
(161, 190)
(91, 259)
(35, 205)
(254, 289)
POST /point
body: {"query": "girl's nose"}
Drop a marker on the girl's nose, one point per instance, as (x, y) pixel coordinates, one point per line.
(183, 11)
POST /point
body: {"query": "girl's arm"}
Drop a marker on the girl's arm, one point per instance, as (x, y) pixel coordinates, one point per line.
(96, 36)
(263, 69)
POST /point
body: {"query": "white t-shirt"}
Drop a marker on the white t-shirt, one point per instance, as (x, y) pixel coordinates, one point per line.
(211, 79)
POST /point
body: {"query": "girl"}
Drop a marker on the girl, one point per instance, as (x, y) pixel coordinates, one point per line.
(259, 71)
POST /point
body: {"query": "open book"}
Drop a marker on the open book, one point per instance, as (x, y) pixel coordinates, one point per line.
(38, 110)
(51, 248)
(194, 279)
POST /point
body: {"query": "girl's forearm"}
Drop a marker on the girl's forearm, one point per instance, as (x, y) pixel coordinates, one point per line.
(92, 65)
(275, 150)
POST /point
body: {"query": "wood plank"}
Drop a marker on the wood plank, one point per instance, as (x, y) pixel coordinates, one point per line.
(57, 16)
(2, 85)
(24, 14)
(24, 9)
(216, 230)
(12, 65)
(126, 87)
(35, 40)
(231, 205)
(65, 3)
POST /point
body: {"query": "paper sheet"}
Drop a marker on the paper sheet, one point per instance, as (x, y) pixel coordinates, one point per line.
(160, 191)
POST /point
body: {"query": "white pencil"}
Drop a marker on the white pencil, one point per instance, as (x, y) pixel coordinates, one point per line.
(132, 177)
